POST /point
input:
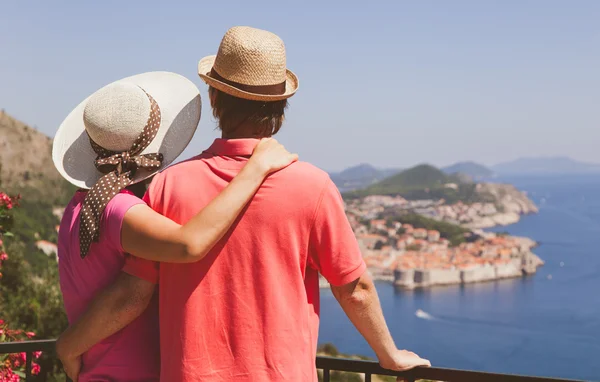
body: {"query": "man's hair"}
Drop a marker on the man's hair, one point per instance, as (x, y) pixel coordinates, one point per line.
(231, 112)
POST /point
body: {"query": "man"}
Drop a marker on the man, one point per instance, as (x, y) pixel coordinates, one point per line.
(250, 310)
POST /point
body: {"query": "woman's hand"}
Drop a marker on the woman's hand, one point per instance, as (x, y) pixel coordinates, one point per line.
(270, 156)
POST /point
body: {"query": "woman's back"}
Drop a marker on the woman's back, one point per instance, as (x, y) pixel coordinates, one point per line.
(133, 353)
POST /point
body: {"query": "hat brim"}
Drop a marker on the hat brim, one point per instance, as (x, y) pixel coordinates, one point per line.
(180, 106)
(206, 64)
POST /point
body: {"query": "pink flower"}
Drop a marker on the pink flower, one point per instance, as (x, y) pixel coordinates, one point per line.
(1, 332)
(37, 354)
(6, 201)
(23, 357)
(30, 334)
(35, 369)
(1, 322)
(3, 256)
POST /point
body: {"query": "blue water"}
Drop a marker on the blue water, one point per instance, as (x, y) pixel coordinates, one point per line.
(538, 325)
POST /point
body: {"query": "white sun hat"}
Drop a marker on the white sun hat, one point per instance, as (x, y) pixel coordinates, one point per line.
(115, 116)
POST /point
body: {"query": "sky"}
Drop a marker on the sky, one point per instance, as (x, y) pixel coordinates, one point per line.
(392, 83)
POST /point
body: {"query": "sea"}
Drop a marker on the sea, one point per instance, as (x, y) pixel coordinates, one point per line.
(547, 324)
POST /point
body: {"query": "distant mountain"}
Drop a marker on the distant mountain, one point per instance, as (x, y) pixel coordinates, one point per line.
(546, 166)
(360, 176)
(423, 182)
(474, 170)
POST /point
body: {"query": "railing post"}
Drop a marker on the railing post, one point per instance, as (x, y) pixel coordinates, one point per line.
(367, 377)
(28, 358)
(326, 375)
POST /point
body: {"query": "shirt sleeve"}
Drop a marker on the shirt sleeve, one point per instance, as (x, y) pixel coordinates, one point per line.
(333, 249)
(113, 216)
(142, 268)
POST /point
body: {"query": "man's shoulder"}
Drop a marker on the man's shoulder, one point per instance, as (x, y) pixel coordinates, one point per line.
(301, 168)
(306, 175)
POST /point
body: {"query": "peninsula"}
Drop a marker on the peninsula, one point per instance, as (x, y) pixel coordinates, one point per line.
(422, 228)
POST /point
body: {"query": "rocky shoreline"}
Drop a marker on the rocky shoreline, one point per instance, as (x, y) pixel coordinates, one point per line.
(511, 202)
(521, 262)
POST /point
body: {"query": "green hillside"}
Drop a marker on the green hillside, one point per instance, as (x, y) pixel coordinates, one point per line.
(420, 176)
(453, 232)
(424, 182)
(30, 297)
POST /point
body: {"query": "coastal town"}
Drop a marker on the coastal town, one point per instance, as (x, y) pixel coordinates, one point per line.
(414, 257)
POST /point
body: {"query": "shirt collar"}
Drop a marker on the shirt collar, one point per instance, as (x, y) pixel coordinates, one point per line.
(233, 147)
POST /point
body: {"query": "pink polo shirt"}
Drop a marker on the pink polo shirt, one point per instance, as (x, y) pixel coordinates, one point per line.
(249, 311)
(133, 353)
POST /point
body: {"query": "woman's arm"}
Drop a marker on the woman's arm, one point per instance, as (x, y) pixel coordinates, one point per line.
(149, 235)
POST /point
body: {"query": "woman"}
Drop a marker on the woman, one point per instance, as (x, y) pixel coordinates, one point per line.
(111, 144)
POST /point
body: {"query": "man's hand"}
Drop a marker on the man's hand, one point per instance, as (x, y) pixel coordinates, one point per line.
(403, 360)
(72, 367)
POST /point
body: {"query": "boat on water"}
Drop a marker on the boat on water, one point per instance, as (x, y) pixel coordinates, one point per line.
(422, 314)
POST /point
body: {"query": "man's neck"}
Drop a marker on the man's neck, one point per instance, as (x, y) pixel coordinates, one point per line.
(240, 134)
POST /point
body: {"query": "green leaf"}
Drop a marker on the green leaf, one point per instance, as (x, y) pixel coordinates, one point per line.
(8, 234)
(19, 373)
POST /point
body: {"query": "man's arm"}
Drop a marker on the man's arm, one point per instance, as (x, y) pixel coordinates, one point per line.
(334, 252)
(113, 309)
(360, 302)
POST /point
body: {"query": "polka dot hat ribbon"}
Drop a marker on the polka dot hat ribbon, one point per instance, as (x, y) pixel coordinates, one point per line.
(119, 169)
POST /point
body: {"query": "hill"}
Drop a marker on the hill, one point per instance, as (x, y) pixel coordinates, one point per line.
(26, 163)
(423, 182)
(420, 176)
(546, 166)
(474, 170)
(26, 168)
(360, 176)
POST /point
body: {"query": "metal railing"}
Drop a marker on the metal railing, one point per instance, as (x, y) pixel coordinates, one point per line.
(28, 347)
(327, 364)
(371, 368)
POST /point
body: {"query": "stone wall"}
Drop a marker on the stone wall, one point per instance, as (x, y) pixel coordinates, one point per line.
(421, 278)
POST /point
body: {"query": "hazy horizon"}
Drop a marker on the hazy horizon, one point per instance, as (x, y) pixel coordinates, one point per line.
(392, 85)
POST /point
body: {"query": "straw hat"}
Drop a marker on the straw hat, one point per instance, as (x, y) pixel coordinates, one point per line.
(250, 64)
(115, 116)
